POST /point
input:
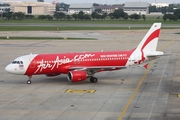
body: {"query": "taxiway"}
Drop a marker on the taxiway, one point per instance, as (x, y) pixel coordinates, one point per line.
(129, 94)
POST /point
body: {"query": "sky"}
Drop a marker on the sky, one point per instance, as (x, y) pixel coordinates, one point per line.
(105, 1)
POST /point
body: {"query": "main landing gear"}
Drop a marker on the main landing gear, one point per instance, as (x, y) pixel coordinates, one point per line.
(29, 81)
(93, 79)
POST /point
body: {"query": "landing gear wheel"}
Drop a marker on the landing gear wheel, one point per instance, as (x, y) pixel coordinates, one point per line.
(93, 80)
(29, 82)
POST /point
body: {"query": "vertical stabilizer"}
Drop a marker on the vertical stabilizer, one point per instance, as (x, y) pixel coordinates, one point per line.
(150, 40)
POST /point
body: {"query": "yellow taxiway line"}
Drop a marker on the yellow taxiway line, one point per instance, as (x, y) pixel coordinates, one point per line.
(140, 82)
(166, 44)
(135, 91)
(80, 91)
(178, 95)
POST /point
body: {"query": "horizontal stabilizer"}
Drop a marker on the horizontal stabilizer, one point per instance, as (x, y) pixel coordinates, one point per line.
(158, 55)
(146, 66)
(155, 54)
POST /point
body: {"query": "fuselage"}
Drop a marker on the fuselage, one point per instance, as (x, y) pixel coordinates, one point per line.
(52, 64)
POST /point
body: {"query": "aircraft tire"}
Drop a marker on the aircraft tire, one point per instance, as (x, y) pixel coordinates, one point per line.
(93, 80)
(29, 82)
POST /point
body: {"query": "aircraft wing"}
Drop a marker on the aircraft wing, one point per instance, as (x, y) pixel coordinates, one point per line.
(98, 68)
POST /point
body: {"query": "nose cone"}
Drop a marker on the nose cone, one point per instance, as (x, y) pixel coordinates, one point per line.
(9, 69)
(15, 69)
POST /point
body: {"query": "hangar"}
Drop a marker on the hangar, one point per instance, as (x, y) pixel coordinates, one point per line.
(136, 7)
(87, 8)
(33, 8)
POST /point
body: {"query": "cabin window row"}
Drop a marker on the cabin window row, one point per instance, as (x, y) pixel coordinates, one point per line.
(95, 59)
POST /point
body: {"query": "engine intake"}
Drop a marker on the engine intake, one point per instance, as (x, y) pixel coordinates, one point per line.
(77, 76)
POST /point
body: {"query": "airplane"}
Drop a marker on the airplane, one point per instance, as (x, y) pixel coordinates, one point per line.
(82, 65)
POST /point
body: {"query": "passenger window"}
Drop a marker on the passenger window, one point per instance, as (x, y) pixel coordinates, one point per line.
(21, 62)
(18, 62)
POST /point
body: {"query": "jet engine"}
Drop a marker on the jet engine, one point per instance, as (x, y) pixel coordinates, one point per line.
(77, 76)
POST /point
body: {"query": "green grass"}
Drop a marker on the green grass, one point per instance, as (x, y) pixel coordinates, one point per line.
(43, 38)
(29, 21)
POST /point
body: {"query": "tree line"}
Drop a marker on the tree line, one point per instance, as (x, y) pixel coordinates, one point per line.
(172, 17)
(116, 15)
(15, 15)
(164, 10)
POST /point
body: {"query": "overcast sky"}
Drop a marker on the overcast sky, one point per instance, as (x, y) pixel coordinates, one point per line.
(106, 1)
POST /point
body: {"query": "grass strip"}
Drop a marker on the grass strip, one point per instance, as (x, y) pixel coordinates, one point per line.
(47, 28)
(43, 38)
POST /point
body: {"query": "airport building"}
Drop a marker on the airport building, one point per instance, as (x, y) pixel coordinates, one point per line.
(158, 5)
(85, 7)
(136, 7)
(4, 8)
(108, 8)
(32, 8)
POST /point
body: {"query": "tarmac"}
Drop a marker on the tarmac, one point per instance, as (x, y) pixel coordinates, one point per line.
(130, 94)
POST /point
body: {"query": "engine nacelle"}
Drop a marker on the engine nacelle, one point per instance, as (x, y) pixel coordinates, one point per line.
(51, 75)
(77, 76)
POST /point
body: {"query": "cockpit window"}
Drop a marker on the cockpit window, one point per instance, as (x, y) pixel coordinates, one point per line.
(14, 62)
(17, 62)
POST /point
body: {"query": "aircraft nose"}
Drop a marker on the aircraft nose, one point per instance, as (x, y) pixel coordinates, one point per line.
(9, 69)
(15, 69)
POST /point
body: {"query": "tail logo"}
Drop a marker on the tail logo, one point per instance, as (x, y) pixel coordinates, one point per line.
(154, 35)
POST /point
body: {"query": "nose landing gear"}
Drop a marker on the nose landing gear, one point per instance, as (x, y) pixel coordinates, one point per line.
(29, 81)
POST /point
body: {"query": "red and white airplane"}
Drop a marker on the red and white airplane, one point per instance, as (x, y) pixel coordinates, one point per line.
(83, 65)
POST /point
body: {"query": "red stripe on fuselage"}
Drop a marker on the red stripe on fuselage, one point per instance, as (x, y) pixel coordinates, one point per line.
(60, 63)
